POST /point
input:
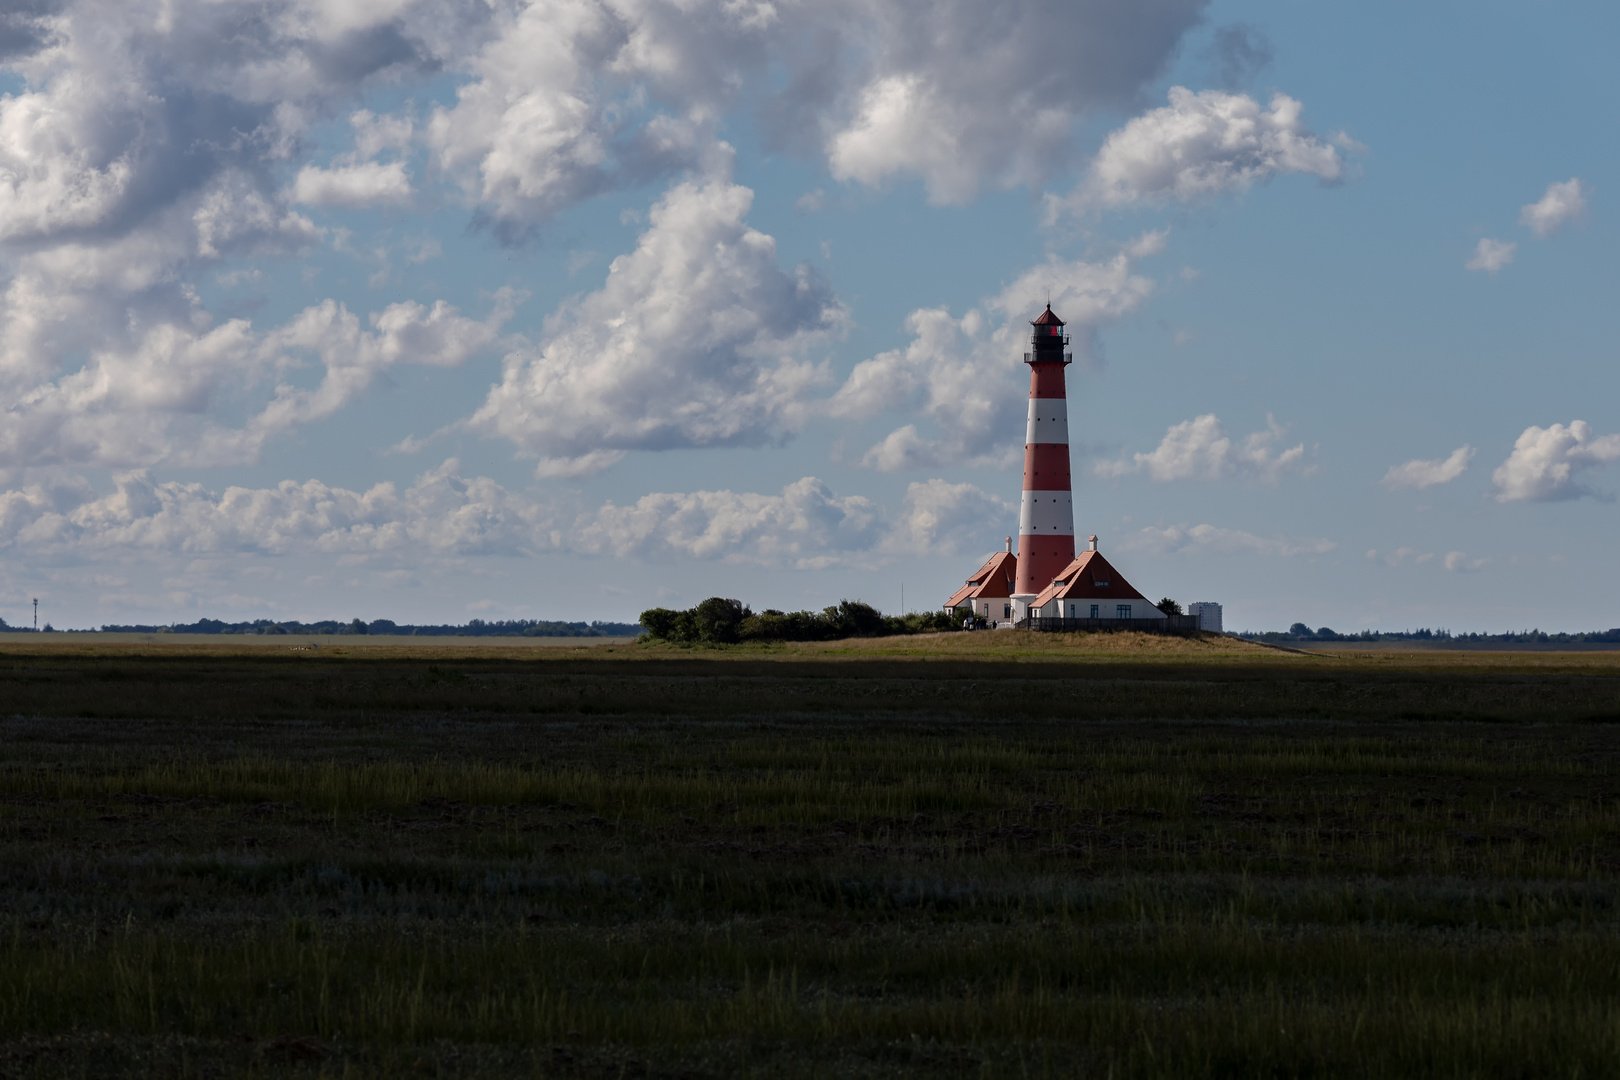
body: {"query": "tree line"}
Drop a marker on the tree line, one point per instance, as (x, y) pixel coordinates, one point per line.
(1301, 632)
(473, 628)
(719, 621)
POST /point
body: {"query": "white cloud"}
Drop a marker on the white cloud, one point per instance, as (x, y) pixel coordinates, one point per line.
(1491, 255)
(569, 98)
(967, 379)
(157, 399)
(370, 183)
(964, 97)
(806, 527)
(353, 357)
(902, 125)
(375, 134)
(1185, 539)
(141, 153)
(529, 134)
(1199, 146)
(1402, 555)
(441, 514)
(941, 518)
(1560, 203)
(695, 339)
(1460, 562)
(1199, 449)
(1545, 461)
(1421, 474)
(811, 202)
(155, 143)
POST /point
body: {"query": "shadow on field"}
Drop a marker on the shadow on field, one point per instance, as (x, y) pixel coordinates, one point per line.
(714, 864)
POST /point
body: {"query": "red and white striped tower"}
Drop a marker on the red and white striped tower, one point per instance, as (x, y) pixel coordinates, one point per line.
(1046, 518)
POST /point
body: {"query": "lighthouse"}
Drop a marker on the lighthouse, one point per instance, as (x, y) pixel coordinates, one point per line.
(1045, 586)
(1046, 515)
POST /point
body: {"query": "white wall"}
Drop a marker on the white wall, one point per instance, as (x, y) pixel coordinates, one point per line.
(995, 608)
(1081, 609)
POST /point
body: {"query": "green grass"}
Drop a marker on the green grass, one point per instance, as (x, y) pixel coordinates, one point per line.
(835, 863)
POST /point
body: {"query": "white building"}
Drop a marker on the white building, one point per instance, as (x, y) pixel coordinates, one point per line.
(1090, 588)
(1209, 615)
(988, 593)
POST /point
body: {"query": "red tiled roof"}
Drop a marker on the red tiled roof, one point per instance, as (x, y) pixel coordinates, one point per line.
(1089, 577)
(1048, 319)
(992, 581)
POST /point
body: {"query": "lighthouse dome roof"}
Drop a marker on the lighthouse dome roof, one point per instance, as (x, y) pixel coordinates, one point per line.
(1047, 318)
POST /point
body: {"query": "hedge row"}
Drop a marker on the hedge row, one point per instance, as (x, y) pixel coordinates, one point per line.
(720, 621)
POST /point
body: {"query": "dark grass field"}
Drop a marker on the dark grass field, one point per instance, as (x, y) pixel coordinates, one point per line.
(970, 855)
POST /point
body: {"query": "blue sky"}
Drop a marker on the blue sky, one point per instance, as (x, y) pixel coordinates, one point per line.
(564, 309)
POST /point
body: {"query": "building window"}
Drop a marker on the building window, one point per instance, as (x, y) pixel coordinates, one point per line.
(1006, 611)
(1122, 611)
(1094, 611)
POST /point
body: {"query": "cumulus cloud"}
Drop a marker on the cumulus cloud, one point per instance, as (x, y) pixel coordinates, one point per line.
(150, 143)
(529, 134)
(695, 339)
(1199, 449)
(941, 518)
(353, 357)
(805, 526)
(158, 142)
(1460, 562)
(1401, 556)
(1558, 204)
(983, 96)
(157, 400)
(1545, 463)
(569, 98)
(1491, 255)
(1199, 146)
(1421, 474)
(964, 375)
(441, 513)
(1187, 539)
(368, 184)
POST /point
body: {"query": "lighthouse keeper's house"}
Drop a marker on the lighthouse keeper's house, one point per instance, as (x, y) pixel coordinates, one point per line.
(988, 593)
(1090, 588)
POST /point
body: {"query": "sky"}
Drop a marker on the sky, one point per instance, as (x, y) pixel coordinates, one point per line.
(431, 310)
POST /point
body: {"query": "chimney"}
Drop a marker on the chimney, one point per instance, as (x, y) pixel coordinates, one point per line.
(1009, 545)
(1093, 541)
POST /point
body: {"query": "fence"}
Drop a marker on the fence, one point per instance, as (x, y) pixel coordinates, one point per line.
(1170, 624)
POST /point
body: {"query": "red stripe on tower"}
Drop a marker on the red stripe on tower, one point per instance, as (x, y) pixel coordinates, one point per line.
(1046, 516)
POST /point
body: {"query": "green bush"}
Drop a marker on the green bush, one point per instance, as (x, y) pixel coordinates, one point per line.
(719, 621)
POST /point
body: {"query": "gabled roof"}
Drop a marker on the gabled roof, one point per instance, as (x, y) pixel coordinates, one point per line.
(1046, 318)
(992, 581)
(1089, 577)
